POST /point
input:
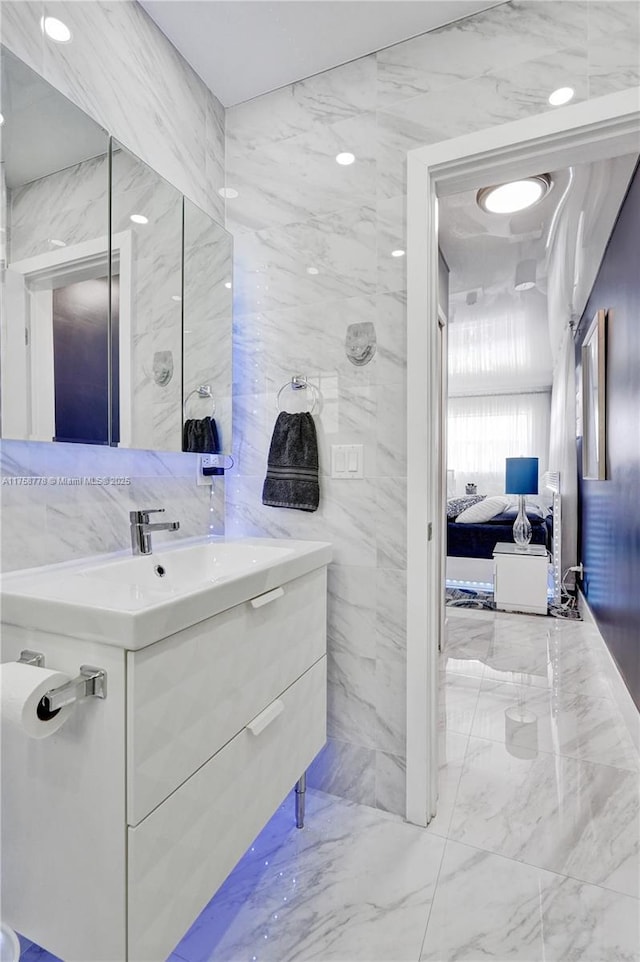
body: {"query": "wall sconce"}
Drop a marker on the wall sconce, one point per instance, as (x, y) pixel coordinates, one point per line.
(525, 275)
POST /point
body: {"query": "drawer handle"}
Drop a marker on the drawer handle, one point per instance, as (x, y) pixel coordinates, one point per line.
(264, 719)
(268, 598)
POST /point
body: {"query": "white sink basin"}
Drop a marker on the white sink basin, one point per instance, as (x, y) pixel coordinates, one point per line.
(184, 571)
(132, 601)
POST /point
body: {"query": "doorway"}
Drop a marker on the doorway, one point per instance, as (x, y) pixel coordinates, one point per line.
(606, 127)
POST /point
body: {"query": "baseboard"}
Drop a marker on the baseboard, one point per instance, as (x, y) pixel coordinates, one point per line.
(619, 691)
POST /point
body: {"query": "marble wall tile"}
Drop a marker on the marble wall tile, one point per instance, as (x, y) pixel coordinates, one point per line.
(352, 611)
(272, 265)
(20, 31)
(441, 59)
(319, 101)
(391, 523)
(390, 783)
(391, 615)
(344, 519)
(346, 770)
(351, 699)
(45, 524)
(391, 234)
(391, 444)
(215, 157)
(163, 133)
(390, 729)
(283, 181)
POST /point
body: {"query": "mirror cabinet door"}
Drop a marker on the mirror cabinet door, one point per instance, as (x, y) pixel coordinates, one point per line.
(206, 353)
(55, 292)
(146, 243)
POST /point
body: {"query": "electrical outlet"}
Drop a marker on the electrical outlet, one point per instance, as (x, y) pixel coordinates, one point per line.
(204, 461)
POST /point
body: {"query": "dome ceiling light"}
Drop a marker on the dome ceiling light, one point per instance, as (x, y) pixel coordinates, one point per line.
(515, 195)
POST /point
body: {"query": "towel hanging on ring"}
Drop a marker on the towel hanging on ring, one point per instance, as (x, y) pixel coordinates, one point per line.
(292, 467)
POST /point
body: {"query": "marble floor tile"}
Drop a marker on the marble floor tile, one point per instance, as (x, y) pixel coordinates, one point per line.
(457, 704)
(452, 748)
(526, 913)
(564, 723)
(355, 884)
(567, 815)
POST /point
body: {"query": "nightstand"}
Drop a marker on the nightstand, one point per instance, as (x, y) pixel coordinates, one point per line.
(520, 578)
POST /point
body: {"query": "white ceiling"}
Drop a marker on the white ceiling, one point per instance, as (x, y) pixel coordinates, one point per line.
(244, 48)
(566, 234)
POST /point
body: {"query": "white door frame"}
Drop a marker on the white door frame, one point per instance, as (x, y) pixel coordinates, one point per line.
(597, 129)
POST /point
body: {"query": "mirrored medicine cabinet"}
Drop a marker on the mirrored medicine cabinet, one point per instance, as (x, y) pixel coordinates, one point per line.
(117, 289)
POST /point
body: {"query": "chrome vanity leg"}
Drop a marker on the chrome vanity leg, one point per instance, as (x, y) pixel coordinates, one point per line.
(301, 788)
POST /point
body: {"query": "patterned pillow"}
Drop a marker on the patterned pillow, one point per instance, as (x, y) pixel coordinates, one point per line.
(485, 511)
(456, 506)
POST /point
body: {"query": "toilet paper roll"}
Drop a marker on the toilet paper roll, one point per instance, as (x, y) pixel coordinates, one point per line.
(21, 688)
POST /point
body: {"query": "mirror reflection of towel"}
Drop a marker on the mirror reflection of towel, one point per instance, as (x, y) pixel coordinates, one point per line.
(292, 468)
(201, 435)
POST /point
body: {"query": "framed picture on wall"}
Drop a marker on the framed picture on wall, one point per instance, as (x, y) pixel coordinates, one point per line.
(594, 394)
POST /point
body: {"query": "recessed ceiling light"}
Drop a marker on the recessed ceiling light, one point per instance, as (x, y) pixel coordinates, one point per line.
(398, 253)
(57, 243)
(345, 159)
(139, 219)
(228, 192)
(312, 270)
(1, 119)
(227, 284)
(55, 29)
(176, 297)
(561, 96)
(513, 196)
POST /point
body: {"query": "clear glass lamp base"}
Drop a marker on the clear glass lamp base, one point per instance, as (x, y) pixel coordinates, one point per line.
(522, 526)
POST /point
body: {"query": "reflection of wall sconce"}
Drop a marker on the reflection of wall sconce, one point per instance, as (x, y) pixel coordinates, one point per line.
(360, 343)
(162, 367)
(521, 732)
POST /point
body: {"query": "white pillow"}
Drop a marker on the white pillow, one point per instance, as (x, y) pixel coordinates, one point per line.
(482, 511)
(534, 505)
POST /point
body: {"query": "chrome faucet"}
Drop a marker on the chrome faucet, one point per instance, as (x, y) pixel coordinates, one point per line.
(141, 529)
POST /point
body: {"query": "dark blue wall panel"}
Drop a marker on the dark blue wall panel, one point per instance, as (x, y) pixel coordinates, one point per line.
(610, 510)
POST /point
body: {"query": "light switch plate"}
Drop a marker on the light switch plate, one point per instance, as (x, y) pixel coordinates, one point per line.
(347, 461)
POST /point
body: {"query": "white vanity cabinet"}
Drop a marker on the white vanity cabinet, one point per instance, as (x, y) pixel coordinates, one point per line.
(120, 827)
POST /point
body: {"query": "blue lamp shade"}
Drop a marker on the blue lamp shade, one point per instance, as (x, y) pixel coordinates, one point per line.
(521, 476)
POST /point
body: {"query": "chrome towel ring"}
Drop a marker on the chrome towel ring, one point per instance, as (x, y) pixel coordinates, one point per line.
(299, 382)
(203, 391)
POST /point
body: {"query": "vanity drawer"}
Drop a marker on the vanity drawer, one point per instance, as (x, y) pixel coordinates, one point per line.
(189, 694)
(183, 851)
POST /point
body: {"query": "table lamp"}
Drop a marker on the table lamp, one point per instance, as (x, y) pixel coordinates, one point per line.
(521, 479)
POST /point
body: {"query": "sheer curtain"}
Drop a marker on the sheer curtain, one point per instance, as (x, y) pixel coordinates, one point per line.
(483, 431)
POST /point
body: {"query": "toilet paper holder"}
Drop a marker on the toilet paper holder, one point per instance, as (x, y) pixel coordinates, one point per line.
(90, 683)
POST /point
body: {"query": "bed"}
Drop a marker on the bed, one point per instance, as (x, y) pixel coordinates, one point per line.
(470, 545)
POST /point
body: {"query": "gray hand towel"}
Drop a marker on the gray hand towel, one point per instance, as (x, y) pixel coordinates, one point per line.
(292, 468)
(201, 434)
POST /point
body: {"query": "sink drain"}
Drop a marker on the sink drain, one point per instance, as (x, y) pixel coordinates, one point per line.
(160, 570)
